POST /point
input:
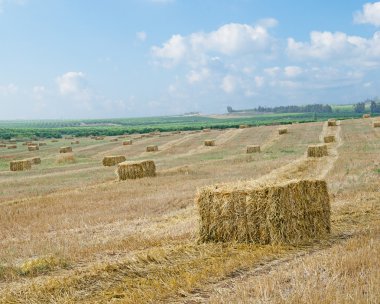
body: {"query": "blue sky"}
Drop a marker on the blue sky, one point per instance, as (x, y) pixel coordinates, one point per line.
(115, 58)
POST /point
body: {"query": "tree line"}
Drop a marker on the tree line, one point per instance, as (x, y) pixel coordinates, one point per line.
(374, 106)
(316, 108)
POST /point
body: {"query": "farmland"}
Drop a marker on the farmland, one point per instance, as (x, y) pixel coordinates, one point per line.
(70, 232)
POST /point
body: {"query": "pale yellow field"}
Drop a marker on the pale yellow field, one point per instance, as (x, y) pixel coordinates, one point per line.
(71, 233)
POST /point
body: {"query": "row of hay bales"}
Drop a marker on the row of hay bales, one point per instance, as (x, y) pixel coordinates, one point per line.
(24, 164)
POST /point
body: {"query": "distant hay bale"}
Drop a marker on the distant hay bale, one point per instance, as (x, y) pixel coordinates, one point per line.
(12, 147)
(319, 150)
(127, 142)
(54, 140)
(99, 137)
(20, 165)
(113, 139)
(289, 212)
(329, 139)
(210, 143)
(253, 149)
(35, 160)
(331, 123)
(3, 145)
(206, 130)
(65, 149)
(33, 148)
(176, 132)
(282, 131)
(366, 115)
(376, 124)
(69, 137)
(77, 142)
(66, 159)
(113, 160)
(30, 143)
(133, 170)
(243, 126)
(152, 148)
(42, 144)
(122, 136)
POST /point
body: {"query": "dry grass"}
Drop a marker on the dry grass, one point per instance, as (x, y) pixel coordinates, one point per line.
(66, 159)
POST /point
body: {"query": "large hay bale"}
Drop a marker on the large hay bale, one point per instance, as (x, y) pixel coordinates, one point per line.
(366, 115)
(127, 142)
(33, 148)
(282, 131)
(331, 123)
(35, 160)
(65, 149)
(253, 149)
(20, 165)
(280, 213)
(376, 124)
(329, 139)
(319, 150)
(133, 170)
(113, 160)
(210, 143)
(12, 147)
(152, 148)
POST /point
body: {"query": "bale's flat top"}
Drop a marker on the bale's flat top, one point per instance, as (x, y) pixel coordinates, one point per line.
(317, 146)
(131, 162)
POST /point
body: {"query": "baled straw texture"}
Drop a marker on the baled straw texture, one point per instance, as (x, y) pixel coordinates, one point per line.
(113, 160)
(65, 149)
(376, 124)
(209, 143)
(35, 160)
(151, 148)
(113, 139)
(319, 150)
(331, 123)
(253, 149)
(366, 115)
(282, 131)
(33, 148)
(133, 170)
(127, 142)
(290, 212)
(329, 139)
(20, 165)
(12, 147)
(42, 144)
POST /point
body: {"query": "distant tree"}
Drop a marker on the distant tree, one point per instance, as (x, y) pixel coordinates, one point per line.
(229, 109)
(359, 107)
(375, 107)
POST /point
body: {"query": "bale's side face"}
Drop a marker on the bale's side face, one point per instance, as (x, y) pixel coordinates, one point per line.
(113, 160)
(127, 142)
(317, 150)
(253, 149)
(329, 139)
(282, 131)
(33, 148)
(20, 165)
(376, 124)
(133, 170)
(209, 143)
(285, 213)
(65, 150)
(151, 148)
(331, 123)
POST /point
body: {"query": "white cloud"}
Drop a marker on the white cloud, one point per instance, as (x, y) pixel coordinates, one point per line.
(141, 36)
(8, 89)
(292, 71)
(4, 3)
(72, 83)
(172, 51)
(228, 84)
(370, 14)
(197, 76)
(39, 92)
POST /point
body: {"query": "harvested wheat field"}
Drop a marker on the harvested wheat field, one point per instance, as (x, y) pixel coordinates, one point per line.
(196, 225)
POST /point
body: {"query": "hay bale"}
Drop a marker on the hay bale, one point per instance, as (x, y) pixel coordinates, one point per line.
(243, 126)
(122, 136)
(253, 149)
(152, 148)
(33, 148)
(12, 147)
(176, 132)
(35, 160)
(42, 144)
(99, 137)
(30, 143)
(133, 170)
(75, 142)
(376, 124)
(280, 213)
(114, 139)
(65, 149)
(113, 160)
(69, 137)
(54, 140)
(331, 123)
(366, 115)
(20, 165)
(206, 130)
(127, 142)
(329, 139)
(319, 150)
(282, 131)
(210, 143)
(3, 145)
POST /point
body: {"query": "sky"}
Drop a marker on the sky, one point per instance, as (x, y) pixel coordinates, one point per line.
(133, 58)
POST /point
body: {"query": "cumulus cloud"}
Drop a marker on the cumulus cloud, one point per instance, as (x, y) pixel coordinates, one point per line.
(172, 51)
(197, 76)
(292, 71)
(8, 89)
(370, 14)
(74, 84)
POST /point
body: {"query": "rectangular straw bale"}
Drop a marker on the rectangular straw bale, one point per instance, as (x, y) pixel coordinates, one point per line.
(152, 148)
(65, 149)
(35, 160)
(206, 130)
(127, 142)
(20, 165)
(319, 150)
(331, 123)
(113, 139)
(133, 170)
(278, 213)
(76, 142)
(12, 147)
(42, 144)
(210, 143)
(282, 131)
(366, 115)
(376, 124)
(176, 132)
(99, 137)
(3, 145)
(33, 148)
(54, 140)
(113, 160)
(243, 126)
(329, 139)
(253, 149)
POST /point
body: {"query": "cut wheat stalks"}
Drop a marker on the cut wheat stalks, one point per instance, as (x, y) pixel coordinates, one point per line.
(319, 150)
(20, 165)
(113, 160)
(289, 212)
(253, 149)
(133, 170)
